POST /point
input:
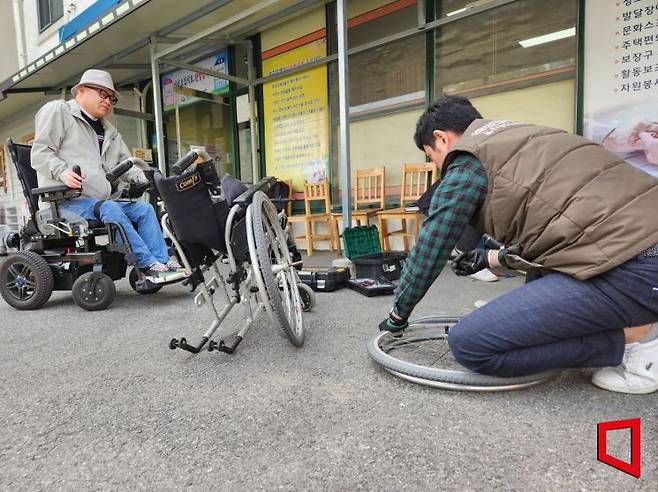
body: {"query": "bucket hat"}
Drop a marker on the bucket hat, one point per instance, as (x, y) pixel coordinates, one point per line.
(96, 78)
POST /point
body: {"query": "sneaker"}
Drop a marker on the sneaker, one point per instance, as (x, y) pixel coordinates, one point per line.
(159, 273)
(173, 264)
(158, 267)
(485, 275)
(637, 374)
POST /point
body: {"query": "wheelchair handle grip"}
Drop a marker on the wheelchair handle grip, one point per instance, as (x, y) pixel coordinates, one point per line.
(120, 169)
(184, 162)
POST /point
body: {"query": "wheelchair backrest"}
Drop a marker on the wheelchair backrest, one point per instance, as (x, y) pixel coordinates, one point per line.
(195, 217)
(20, 154)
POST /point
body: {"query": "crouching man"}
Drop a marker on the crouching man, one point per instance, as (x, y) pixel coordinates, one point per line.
(562, 204)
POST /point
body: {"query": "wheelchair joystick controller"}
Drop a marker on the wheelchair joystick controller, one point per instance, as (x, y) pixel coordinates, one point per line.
(120, 169)
(76, 169)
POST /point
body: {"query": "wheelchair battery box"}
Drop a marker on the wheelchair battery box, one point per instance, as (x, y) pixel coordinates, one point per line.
(372, 287)
(325, 279)
(375, 266)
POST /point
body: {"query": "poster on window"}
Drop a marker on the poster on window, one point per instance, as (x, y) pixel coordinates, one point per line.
(296, 116)
(621, 79)
(194, 80)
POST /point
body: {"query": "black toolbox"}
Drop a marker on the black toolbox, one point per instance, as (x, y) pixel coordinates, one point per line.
(325, 279)
(377, 265)
(371, 287)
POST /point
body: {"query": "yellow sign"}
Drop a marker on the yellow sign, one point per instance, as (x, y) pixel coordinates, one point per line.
(296, 116)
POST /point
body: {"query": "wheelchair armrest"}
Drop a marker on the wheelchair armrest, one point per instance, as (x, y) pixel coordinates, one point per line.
(56, 193)
(262, 185)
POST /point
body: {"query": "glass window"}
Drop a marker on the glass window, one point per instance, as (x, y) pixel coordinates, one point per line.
(49, 12)
(520, 42)
(205, 124)
(389, 74)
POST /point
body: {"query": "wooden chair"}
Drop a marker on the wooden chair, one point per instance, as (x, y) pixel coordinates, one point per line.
(415, 180)
(316, 192)
(368, 191)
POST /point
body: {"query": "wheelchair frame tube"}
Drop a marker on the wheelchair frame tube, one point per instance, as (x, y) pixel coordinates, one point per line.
(218, 278)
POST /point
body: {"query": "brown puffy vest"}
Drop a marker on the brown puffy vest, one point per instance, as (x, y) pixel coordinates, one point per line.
(559, 199)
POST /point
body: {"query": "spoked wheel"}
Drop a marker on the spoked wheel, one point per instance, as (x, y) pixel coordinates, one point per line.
(93, 291)
(26, 280)
(421, 354)
(276, 277)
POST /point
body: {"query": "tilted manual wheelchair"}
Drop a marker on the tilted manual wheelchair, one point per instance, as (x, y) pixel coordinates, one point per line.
(218, 225)
(59, 250)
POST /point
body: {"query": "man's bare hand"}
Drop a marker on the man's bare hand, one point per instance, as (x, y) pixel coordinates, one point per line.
(71, 179)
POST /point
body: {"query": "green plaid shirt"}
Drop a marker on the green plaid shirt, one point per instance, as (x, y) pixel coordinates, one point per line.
(457, 199)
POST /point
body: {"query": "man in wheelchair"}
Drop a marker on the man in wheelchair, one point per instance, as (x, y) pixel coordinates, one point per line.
(76, 133)
(578, 218)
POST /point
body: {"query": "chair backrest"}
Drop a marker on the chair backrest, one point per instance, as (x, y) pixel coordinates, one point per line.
(370, 187)
(314, 192)
(20, 154)
(416, 178)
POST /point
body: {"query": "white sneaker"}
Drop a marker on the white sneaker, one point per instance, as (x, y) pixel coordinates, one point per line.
(637, 374)
(485, 275)
(173, 264)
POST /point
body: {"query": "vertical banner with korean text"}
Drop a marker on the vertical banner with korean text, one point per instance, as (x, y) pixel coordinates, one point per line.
(621, 79)
(296, 116)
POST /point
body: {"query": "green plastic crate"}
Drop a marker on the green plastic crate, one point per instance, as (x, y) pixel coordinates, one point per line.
(361, 241)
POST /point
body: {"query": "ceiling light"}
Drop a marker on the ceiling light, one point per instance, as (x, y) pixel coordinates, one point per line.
(547, 38)
(458, 11)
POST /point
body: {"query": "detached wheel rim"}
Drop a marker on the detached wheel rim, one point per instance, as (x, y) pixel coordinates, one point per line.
(21, 281)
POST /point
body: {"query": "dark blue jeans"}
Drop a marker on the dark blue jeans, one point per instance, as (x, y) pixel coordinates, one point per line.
(557, 321)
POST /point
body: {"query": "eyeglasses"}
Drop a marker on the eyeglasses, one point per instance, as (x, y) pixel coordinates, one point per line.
(104, 94)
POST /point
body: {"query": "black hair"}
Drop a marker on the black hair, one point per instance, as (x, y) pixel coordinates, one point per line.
(448, 113)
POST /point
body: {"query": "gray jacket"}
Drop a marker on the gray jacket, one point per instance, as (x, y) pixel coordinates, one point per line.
(63, 138)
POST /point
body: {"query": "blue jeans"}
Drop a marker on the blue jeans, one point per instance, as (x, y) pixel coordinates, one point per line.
(147, 241)
(557, 321)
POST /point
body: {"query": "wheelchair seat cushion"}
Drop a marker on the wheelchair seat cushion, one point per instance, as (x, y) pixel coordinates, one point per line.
(95, 224)
(232, 188)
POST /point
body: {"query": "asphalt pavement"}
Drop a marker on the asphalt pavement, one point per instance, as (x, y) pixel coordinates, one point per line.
(97, 401)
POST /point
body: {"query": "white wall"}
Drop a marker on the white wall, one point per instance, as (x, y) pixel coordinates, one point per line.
(9, 58)
(37, 43)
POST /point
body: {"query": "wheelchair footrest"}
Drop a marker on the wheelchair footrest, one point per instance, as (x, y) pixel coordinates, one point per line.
(227, 345)
(182, 344)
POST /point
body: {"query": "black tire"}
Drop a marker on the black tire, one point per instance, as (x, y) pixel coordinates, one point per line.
(133, 277)
(93, 291)
(444, 378)
(26, 280)
(307, 296)
(270, 240)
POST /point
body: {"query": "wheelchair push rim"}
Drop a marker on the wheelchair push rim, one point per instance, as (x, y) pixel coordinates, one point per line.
(277, 281)
(421, 355)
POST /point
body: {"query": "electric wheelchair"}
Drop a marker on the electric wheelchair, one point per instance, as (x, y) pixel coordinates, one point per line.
(59, 250)
(230, 239)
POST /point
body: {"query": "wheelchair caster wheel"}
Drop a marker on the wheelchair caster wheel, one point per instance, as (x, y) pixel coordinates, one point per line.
(182, 342)
(307, 296)
(173, 345)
